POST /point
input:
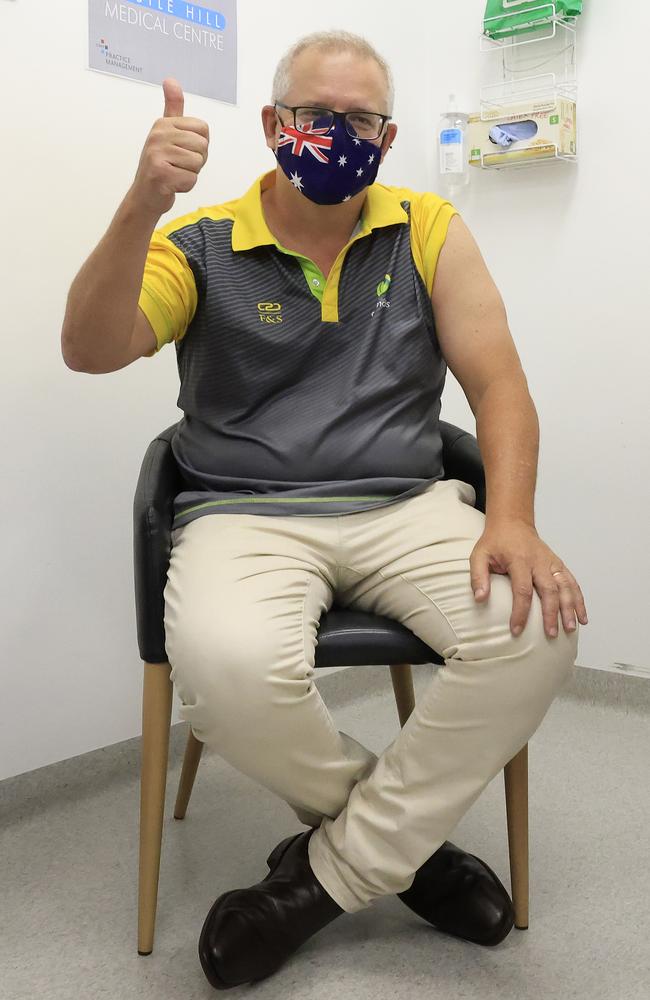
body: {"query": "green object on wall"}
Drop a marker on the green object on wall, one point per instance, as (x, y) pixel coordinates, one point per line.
(515, 17)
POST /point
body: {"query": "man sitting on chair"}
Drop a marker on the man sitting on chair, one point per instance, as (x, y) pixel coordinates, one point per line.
(313, 320)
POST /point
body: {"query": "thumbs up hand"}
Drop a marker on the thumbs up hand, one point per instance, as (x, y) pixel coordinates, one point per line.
(173, 154)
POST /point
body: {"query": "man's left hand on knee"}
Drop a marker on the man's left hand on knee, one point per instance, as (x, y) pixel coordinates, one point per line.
(513, 547)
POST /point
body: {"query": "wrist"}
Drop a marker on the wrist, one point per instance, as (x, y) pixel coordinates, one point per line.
(503, 517)
(136, 211)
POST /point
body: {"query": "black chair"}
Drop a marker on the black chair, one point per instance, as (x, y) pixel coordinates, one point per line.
(345, 638)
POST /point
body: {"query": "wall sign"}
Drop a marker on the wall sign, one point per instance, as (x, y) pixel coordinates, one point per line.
(148, 40)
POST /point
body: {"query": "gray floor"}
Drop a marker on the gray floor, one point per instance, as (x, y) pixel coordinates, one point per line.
(69, 851)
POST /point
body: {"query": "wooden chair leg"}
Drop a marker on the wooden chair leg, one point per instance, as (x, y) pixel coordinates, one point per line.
(156, 721)
(191, 760)
(402, 678)
(515, 775)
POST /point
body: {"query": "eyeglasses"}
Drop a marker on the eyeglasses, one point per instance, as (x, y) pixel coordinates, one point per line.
(358, 124)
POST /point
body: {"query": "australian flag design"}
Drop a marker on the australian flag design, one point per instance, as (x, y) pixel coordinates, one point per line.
(327, 164)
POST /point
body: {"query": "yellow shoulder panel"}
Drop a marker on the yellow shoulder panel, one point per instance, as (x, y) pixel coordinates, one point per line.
(168, 295)
(430, 218)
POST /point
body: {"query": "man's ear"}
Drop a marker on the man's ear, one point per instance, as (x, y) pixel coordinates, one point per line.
(391, 132)
(269, 124)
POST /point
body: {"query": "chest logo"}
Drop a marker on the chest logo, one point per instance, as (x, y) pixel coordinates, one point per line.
(269, 312)
(382, 291)
(384, 285)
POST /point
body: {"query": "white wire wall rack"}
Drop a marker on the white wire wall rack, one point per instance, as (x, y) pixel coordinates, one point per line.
(536, 67)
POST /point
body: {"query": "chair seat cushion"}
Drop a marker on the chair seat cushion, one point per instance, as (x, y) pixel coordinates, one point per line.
(354, 638)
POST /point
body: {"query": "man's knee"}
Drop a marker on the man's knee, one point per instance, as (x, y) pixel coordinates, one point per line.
(486, 634)
(544, 662)
(560, 650)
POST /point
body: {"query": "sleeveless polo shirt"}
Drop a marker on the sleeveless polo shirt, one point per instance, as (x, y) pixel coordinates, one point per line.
(297, 399)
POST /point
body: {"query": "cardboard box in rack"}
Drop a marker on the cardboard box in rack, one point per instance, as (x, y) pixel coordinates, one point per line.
(555, 119)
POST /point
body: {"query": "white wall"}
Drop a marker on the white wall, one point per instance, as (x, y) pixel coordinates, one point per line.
(566, 246)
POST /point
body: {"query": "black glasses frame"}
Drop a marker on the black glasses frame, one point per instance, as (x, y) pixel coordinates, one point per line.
(335, 115)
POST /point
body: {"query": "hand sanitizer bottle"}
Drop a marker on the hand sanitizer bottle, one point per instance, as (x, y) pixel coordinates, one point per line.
(454, 169)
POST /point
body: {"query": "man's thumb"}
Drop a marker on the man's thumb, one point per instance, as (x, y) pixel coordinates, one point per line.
(173, 98)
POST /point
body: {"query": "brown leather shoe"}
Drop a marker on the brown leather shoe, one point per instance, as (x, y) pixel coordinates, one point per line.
(249, 933)
(460, 895)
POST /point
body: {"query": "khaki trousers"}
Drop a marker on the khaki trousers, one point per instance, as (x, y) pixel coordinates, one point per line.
(243, 601)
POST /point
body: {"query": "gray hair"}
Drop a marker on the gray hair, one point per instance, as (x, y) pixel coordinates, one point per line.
(330, 41)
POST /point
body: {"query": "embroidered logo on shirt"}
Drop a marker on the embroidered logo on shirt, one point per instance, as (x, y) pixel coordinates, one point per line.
(269, 312)
(384, 285)
(382, 290)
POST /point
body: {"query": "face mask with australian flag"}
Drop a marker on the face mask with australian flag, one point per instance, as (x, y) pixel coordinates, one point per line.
(328, 166)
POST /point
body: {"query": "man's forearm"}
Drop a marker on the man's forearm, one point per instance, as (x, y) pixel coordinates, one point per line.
(507, 431)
